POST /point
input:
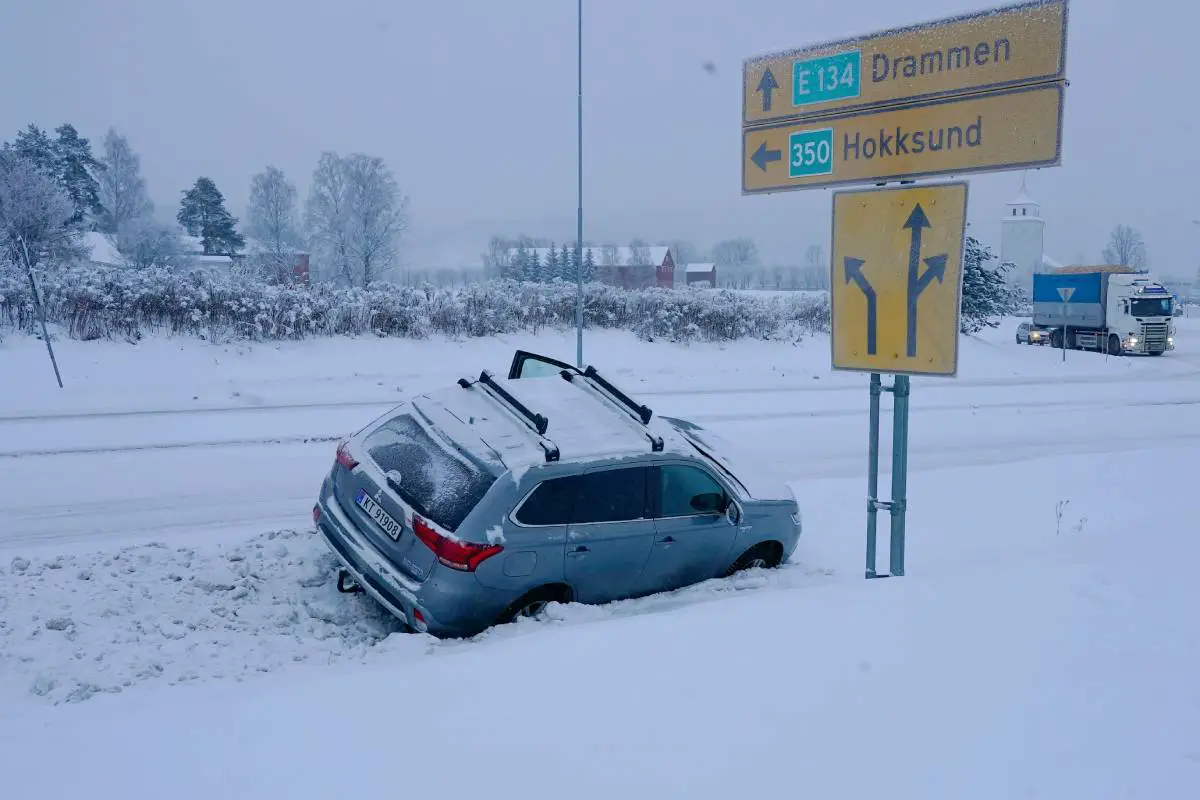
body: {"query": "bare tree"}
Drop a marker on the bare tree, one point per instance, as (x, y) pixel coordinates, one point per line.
(740, 252)
(639, 253)
(149, 243)
(35, 215)
(122, 187)
(356, 216)
(1126, 247)
(272, 220)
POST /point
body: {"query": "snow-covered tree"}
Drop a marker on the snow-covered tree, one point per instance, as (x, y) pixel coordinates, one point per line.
(122, 188)
(35, 214)
(202, 213)
(570, 270)
(355, 216)
(148, 243)
(986, 297)
(271, 218)
(76, 170)
(553, 266)
(68, 161)
(589, 266)
(35, 146)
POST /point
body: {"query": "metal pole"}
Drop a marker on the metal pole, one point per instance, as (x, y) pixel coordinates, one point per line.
(873, 474)
(900, 391)
(41, 308)
(579, 230)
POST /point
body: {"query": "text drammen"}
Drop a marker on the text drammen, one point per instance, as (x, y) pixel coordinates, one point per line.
(888, 67)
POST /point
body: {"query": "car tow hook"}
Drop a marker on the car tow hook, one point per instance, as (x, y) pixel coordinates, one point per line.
(347, 584)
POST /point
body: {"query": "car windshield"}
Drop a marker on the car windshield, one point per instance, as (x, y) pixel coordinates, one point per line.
(1150, 307)
(439, 484)
(709, 445)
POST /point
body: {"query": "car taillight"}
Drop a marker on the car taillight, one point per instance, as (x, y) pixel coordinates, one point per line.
(343, 455)
(464, 556)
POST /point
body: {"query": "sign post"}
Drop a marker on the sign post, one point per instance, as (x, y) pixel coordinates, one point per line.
(895, 301)
(1065, 292)
(980, 92)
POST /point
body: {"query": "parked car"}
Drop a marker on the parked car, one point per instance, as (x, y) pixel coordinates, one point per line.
(1028, 333)
(485, 501)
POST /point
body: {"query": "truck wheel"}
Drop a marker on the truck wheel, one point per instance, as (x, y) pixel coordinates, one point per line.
(1114, 345)
(1056, 340)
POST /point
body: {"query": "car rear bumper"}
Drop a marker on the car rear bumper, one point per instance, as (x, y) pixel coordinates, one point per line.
(372, 570)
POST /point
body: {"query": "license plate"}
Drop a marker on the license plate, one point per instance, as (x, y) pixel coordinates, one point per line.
(381, 517)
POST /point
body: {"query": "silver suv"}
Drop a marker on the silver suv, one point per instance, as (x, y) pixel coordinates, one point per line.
(481, 502)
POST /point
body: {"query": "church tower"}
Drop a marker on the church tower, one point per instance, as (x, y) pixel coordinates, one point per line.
(1022, 239)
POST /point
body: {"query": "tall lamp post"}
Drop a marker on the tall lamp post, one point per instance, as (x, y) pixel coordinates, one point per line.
(579, 219)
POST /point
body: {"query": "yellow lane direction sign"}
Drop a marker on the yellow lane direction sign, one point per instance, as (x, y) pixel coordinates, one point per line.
(995, 49)
(896, 282)
(1011, 129)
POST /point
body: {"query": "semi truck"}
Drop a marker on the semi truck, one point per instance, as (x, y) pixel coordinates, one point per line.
(1112, 309)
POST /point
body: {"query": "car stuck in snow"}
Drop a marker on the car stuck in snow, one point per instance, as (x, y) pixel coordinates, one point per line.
(484, 501)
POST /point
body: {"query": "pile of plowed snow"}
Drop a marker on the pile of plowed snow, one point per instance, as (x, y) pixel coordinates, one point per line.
(73, 626)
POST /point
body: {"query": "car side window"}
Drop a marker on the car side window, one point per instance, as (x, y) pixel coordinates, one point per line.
(551, 503)
(614, 495)
(688, 491)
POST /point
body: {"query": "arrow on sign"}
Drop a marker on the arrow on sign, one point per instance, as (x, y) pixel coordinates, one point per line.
(917, 283)
(762, 156)
(766, 86)
(1065, 293)
(853, 267)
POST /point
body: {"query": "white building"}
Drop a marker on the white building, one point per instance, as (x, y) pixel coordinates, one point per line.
(1022, 239)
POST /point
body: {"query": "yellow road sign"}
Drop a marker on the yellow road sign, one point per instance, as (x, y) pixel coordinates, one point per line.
(994, 49)
(1011, 129)
(896, 282)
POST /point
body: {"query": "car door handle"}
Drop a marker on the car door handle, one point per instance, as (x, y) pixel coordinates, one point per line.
(579, 551)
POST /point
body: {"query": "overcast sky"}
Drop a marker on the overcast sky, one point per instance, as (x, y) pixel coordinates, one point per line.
(472, 104)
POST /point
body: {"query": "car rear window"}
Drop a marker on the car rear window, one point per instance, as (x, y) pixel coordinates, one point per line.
(437, 483)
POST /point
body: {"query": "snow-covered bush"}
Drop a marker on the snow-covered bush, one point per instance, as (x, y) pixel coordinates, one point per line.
(98, 302)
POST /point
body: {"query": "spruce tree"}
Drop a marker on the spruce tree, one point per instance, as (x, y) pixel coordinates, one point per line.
(589, 266)
(986, 297)
(531, 269)
(553, 264)
(35, 146)
(514, 264)
(202, 213)
(75, 169)
(567, 271)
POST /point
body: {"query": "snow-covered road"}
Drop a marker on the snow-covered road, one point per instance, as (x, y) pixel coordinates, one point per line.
(111, 474)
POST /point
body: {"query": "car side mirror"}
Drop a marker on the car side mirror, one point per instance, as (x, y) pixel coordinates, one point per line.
(709, 503)
(733, 513)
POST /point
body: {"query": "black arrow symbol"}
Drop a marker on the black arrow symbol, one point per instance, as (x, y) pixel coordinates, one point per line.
(853, 267)
(917, 283)
(766, 86)
(762, 156)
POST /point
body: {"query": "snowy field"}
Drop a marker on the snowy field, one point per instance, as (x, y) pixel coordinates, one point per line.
(168, 619)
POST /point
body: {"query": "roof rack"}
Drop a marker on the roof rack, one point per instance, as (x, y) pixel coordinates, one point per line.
(534, 421)
(639, 413)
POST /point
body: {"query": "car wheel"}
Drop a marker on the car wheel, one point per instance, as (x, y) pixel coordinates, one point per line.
(761, 556)
(533, 604)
